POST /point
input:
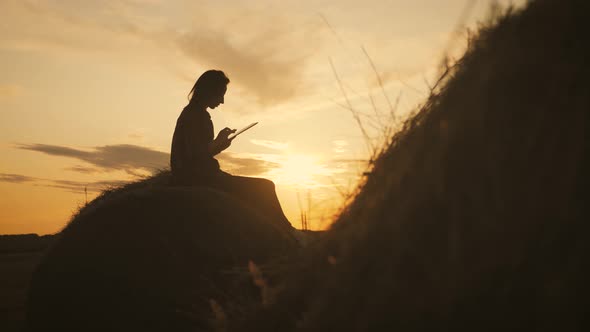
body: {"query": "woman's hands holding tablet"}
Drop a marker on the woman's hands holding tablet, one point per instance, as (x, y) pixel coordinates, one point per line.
(221, 142)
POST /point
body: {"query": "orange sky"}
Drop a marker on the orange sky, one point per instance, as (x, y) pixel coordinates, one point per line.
(90, 92)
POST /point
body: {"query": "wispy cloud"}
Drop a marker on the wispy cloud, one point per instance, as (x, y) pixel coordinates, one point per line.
(15, 178)
(282, 170)
(67, 185)
(135, 159)
(261, 52)
(271, 71)
(132, 159)
(83, 169)
(270, 144)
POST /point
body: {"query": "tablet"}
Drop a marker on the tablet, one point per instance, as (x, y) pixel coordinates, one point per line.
(243, 130)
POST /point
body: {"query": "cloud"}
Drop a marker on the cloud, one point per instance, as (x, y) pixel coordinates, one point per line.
(232, 163)
(132, 159)
(270, 144)
(15, 178)
(256, 65)
(258, 49)
(83, 169)
(68, 185)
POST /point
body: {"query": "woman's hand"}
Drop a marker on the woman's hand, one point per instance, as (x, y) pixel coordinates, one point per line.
(222, 141)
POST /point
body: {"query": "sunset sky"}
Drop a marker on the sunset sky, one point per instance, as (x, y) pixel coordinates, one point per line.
(90, 91)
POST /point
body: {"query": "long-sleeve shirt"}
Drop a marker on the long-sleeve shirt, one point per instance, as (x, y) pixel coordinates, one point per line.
(190, 159)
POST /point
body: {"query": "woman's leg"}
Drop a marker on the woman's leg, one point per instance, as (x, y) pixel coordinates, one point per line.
(258, 192)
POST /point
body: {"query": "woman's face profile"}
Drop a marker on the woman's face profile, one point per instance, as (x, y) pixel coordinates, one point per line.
(217, 98)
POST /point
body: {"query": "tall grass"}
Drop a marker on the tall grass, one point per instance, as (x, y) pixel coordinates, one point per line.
(473, 216)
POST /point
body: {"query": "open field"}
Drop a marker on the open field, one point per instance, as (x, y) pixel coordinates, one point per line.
(19, 256)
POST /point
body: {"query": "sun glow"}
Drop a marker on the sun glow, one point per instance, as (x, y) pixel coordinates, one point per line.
(299, 170)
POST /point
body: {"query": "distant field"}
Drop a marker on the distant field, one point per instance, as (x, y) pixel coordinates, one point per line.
(19, 254)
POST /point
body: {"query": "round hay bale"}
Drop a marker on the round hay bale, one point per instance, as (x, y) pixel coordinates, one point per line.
(149, 258)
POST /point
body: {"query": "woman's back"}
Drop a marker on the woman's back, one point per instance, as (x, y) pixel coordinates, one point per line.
(189, 157)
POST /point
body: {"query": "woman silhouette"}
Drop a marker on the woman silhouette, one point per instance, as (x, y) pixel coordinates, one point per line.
(193, 149)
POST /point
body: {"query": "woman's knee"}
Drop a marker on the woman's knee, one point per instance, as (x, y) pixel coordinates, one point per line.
(251, 183)
(264, 184)
(267, 183)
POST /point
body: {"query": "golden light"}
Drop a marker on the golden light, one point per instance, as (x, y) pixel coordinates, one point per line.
(299, 170)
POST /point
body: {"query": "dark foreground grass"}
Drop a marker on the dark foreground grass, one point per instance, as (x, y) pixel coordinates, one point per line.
(19, 255)
(16, 269)
(475, 217)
